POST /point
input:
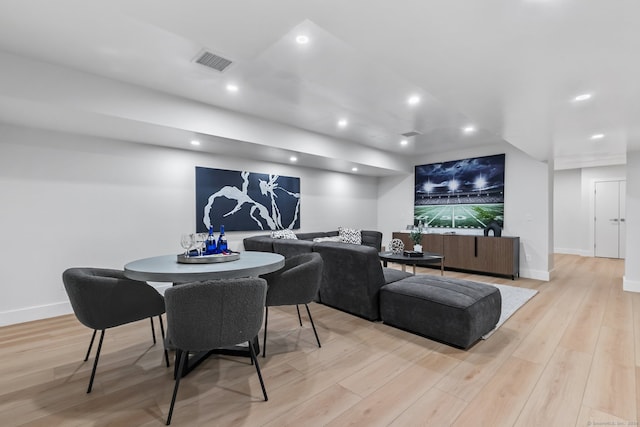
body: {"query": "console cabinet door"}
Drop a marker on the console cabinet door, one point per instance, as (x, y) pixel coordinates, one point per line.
(496, 255)
(459, 252)
(499, 255)
(433, 243)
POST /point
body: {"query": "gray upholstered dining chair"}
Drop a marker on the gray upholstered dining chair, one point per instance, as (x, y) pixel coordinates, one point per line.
(295, 283)
(203, 316)
(103, 298)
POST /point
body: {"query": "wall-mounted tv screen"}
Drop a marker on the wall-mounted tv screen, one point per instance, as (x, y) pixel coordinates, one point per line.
(466, 193)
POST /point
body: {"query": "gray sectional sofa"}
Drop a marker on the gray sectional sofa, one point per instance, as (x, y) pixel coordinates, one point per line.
(456, 312)
(352, 274)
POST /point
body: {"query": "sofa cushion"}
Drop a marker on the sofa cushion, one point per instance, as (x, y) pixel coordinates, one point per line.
(393, 275)
(289, 248)
(350, 235)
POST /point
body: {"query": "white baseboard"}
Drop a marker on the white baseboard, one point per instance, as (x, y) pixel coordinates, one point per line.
(630, 285)
(535, 274)
(29, 314)
(571, 251)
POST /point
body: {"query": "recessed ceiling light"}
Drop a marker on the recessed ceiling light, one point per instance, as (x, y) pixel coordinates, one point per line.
(469, 129)
(597, 136)
(354, 169)
(293, 158)
(232, 88)
(195, 142)
(302, 39)
(413, 100)
(582, 97)
(342, 123)
(404, 142)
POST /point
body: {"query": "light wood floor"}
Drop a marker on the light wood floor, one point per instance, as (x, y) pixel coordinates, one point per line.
(571, 356)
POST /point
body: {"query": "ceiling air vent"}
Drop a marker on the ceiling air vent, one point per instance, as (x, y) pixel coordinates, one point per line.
(411, 133)
(214, 61)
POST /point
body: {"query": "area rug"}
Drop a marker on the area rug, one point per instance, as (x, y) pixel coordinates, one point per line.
(512, 299)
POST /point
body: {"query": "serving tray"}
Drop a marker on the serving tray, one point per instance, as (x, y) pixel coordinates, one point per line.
(207, 259)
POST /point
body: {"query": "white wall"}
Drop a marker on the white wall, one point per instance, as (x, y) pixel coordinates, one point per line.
(527, 210)
(631, 280)
(70, 200)
(575, 206)
(569, 222)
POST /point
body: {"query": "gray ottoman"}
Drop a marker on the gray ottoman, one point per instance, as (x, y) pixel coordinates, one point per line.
(454, 311)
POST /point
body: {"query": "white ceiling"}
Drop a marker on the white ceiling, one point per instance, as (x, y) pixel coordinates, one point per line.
(124, 69)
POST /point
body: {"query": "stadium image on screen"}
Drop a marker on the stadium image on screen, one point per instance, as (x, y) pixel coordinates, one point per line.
(466, 193)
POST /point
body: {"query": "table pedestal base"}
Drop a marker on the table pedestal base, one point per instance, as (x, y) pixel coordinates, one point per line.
(197, 358)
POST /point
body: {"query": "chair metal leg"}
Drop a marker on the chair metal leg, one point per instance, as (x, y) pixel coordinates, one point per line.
(264, 340)
(153, 330)
(95, 363)
(166, 353)
(313, 326)
(177, 362)
(93, 337)
(255, 361)
(299, 318)
(182, 356)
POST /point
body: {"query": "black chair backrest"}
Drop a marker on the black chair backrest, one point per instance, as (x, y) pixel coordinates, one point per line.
(214, 314)
(297, 282)
(104, 298)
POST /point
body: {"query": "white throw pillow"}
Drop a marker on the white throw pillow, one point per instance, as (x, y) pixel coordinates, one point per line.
(350, 235)
(328, 239)
(284, 234)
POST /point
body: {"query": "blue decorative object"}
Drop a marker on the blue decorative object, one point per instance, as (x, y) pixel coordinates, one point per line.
(211, 243)
(222, 241)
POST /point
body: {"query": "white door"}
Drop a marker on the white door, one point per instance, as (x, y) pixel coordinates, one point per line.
(609, 215)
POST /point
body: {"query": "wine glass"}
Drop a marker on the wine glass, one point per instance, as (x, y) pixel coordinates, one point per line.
(186, 241)
(200, 239)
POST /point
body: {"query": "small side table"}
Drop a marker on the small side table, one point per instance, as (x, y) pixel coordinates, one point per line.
(426, 258)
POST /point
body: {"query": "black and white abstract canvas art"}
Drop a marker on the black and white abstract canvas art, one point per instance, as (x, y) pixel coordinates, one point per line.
(243, 201)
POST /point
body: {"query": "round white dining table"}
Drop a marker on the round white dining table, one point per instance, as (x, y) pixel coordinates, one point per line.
(166, 268)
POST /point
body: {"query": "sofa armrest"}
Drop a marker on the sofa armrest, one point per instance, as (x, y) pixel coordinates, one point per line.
(351, 279)
(372, 238)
